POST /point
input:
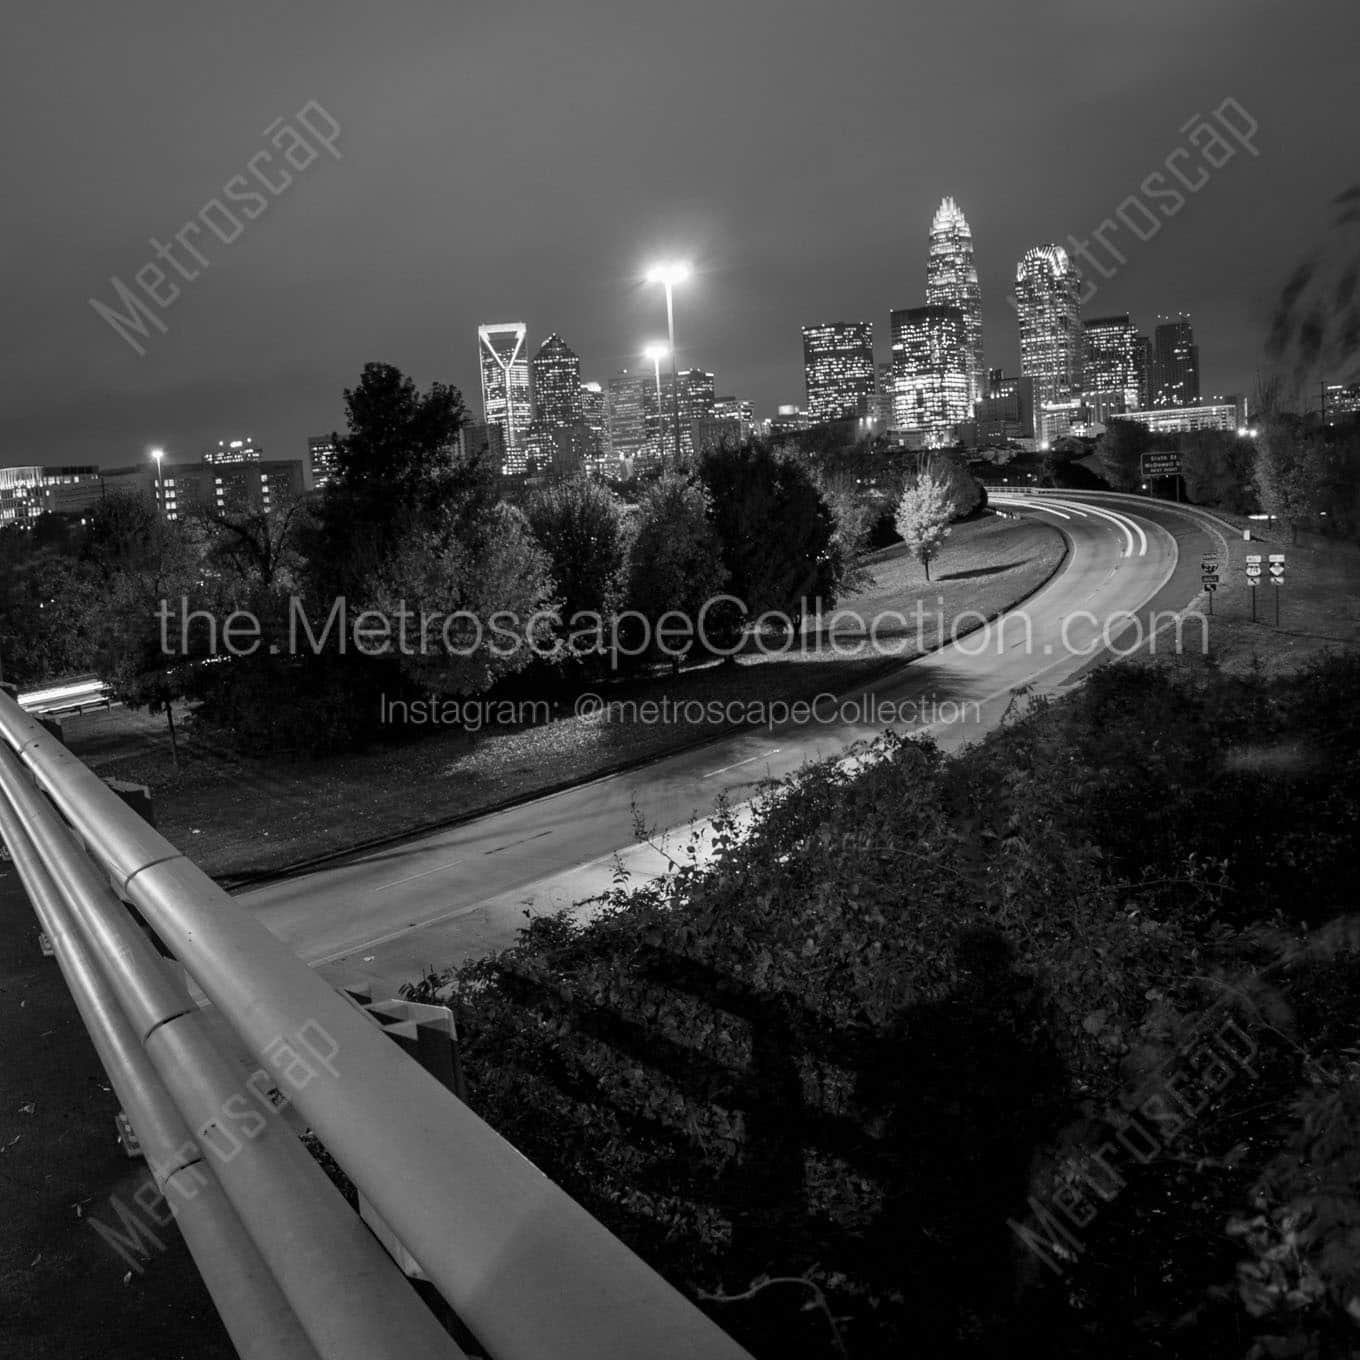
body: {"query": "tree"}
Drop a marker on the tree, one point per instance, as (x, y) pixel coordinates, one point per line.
(1314, 335)
(253, 545)
(1119, 451)
(923, 516)
(1217, 468)
(44, 617)
(395, 468)
(962, 490)
(1284, 475)
(675, 560)
(124, 533)
(776, 531)
(580, 525)
(468, 575)
(139, 643)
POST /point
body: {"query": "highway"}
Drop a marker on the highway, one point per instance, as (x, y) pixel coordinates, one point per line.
(383, 918)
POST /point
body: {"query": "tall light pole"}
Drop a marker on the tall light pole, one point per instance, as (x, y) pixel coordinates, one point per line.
(158, 454)
(656, 353)
(668, 275)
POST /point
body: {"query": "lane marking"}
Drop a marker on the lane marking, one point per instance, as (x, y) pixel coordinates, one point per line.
(537, 836)
(750, 760)
(410, 878)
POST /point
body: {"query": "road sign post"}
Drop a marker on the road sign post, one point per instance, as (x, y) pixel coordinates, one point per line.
(1208, 577)
(1277, 579)
(1162, 463)
(1253, 579)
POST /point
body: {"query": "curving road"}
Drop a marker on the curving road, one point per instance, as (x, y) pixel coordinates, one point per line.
(383, 918)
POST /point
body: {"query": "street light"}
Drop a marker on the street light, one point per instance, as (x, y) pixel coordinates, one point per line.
(656, 353)
(668, 275)
(158, 454)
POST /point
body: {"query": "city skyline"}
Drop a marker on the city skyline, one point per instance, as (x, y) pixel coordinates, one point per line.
(796, 209)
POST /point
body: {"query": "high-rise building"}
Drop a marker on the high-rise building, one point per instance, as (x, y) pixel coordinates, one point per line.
(595, 419)
(1006, 410)
(696, 394)
(234, 451)
(321, 458)
(1109, 367)
(883, 398)
(952, 281)
(627, 401)
(477, 437)
(1175, 363)
(838, 369)
(737, 409)
(556, 379)
(502, 351)
(1142, 367)
(1341, 402)
(930, 374)
(1048, 301)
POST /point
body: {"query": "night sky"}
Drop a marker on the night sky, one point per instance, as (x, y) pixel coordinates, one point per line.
(510, 161)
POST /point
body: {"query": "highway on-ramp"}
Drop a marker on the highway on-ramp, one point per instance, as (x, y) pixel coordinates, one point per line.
(382, 918)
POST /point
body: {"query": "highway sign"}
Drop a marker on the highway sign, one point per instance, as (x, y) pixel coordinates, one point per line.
(1275, 581)
(1252, 581)
(1254, 569)
(1211, 586)
(1160, 464)
(1275, 557)
(1276, 571)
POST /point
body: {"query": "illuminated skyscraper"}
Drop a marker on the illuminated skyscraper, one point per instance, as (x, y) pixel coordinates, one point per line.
(595, 418)
(629, 398)
(502, 349)
(556, 373)
(1142, 367)
(321, 453)
(952, 281)
(838, 368)
(737, 409)
(930, 374)
(1109, 368)
(1175, 364)
(1048, 301)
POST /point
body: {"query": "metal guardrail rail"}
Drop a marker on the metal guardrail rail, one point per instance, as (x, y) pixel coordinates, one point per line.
(295, 1273)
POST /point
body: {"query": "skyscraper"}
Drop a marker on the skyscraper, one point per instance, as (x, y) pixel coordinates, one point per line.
(1175, 363)
(595, 418)
(502, 349)
(930, 374)
(1142, 367)
(952, 281)
(626, 406)
(556, 374)
(1048, 302)
(1109, 367)
(884, 408)
(838, 368)
(321, 453)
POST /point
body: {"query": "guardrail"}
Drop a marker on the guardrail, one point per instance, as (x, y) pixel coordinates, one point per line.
(294, 1272)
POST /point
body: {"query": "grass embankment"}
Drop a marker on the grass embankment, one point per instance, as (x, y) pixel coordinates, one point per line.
(1319, 603)
(235, 815)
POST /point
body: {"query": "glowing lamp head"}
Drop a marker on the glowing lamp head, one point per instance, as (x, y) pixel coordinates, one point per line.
(673, 272)
(656, 353)
(158, 454)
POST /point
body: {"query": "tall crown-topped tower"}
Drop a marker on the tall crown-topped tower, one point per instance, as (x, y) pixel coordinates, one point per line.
(952, 281)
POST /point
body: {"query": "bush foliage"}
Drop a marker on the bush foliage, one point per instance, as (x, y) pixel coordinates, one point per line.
(818, 1079)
